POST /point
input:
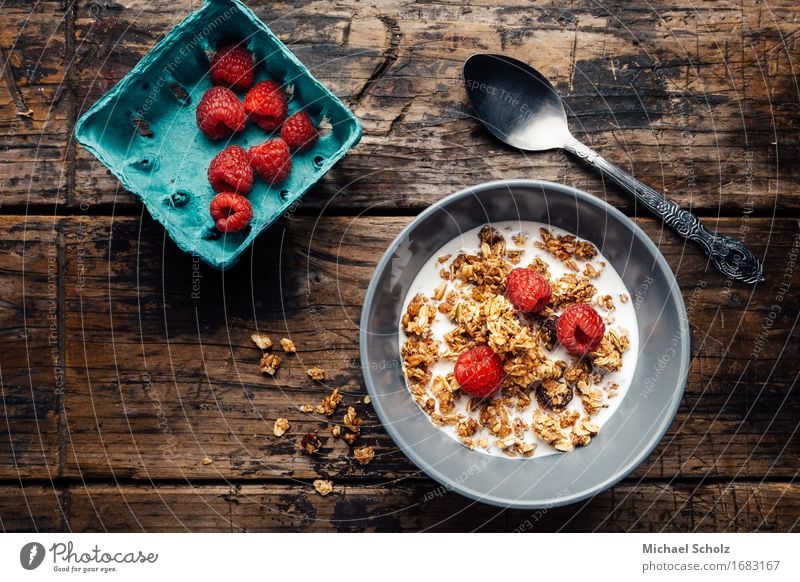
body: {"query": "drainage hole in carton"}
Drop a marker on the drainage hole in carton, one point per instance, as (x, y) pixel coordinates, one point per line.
(180, 93)
(141, 126)
(147, 163)
(178, 199)
(211, 233)
(318, 161)
(284, 194)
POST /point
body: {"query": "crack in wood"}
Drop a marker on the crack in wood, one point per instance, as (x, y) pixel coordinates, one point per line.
(13, 87)
(64, 505)
(70, 92)
(390, 56)
(60, 401)
(400, 118)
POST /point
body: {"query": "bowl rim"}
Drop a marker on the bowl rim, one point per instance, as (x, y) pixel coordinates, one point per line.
(659, 430)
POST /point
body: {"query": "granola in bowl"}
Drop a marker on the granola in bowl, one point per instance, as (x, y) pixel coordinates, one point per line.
(547, 398)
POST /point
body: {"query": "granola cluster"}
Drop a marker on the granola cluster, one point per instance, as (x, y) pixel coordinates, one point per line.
(311, 443)
(544, 398)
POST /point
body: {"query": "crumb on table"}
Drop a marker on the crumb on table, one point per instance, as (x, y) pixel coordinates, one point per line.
(261, 340)
(323, 486)
(329, 403)
(281, 426)
(364, 455)
(269, 364)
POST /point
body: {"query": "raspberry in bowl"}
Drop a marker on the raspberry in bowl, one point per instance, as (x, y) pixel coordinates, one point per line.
(557, 430)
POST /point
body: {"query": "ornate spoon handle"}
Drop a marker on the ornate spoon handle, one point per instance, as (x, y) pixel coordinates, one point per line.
(729, 255)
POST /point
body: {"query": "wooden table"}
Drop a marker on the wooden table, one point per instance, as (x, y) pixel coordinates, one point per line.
(125, 362)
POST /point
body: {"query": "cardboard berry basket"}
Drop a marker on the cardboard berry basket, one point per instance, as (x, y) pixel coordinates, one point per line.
(145, 131)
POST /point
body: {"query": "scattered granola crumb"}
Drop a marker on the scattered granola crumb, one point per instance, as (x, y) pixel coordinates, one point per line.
(336, 431)
(306, 408)
(280, 428)
(444, 259)
(364, 455)
(288, 346)
(207, 461)
(316, 373)
(323, 486)
(367, 399)
(351, 420)
(310, 443)
(261, 340)
(350, 437)
(329, 403)
(269, 364)
(623, 298)
(519, 239)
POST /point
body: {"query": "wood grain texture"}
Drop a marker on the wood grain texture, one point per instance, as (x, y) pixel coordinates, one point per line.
(33, 508)
(159, 378)
(36, 105)
(32, 366)
(292, 507)
(699, 101)
(125, 362)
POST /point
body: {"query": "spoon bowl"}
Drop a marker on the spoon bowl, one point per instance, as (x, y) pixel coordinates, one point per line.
(516, 103)
(522, 108)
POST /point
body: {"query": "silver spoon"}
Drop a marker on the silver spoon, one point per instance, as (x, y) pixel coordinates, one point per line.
(520, 107)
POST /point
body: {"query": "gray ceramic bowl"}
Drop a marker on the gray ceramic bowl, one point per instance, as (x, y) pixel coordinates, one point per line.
(646, 410)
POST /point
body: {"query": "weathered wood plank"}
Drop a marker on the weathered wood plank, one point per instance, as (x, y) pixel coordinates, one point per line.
(162, 373)
(32, 508)
(32, 372)
(699, 101)
(35, 104)
(402, 506)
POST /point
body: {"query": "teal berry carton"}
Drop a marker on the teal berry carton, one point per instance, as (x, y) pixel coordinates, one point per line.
(145, 131)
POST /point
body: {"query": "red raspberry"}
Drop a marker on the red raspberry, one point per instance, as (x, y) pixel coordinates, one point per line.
(479, 371)
(220, 114)
(298, 132)
(231, 212)
(232, 67)
(271, 160)
(527, 290)
(266, 105)
(580, 329)
(230, 171)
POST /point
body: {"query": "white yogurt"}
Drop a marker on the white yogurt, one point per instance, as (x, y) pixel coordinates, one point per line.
(623, 319)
